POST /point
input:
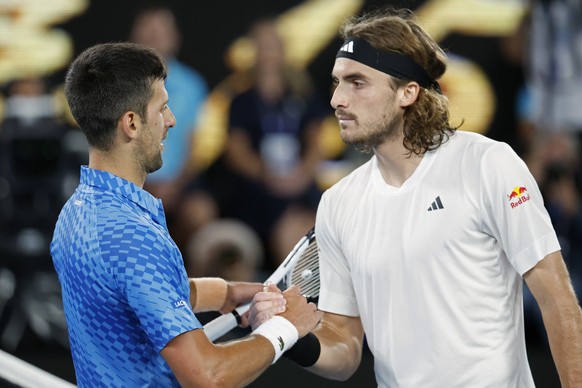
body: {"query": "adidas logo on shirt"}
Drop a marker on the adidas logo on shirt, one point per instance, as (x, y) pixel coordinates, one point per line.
(436, 204)
(348, 47)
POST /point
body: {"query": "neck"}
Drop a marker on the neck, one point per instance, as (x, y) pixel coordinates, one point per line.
(395, 164)
(117, 165)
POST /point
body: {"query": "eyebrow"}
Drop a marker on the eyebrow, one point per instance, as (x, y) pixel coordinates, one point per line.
(351, 76)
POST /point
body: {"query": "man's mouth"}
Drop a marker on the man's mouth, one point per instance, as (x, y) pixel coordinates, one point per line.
(343, 116)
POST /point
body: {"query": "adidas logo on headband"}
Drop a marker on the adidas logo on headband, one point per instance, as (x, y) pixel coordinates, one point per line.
(348, 47)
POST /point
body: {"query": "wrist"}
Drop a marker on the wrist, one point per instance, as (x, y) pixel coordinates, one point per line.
(306, 351)
(210, 293)
(280, 332)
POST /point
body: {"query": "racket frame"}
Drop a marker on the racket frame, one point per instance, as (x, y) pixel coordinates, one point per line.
(226, 322)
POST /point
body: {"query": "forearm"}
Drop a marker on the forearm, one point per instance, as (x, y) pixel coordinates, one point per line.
(563, 322)
(339, 358)
(270, 340)
(550, 284)
(196, 361)
(216, 294)
(335, 351)
(239, 363)
(207, 294)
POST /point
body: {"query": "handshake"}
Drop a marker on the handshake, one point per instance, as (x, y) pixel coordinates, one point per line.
(282, 318)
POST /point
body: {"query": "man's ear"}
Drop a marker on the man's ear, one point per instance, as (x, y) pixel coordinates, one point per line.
(129, 123)
(409, 94)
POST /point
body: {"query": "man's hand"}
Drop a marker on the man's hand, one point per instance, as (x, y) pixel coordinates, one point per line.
(238, 293)
(265, 305)
(290, 304)
(303, 315)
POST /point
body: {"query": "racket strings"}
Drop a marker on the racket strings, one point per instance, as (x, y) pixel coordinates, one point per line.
(305, 272)
(300, 267)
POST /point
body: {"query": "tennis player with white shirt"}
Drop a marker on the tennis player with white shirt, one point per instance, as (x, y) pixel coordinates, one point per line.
(424, 247)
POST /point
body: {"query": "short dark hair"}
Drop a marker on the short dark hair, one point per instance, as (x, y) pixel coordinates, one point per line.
(107, 80)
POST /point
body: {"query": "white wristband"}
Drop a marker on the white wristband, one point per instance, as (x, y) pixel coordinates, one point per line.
(280, 332)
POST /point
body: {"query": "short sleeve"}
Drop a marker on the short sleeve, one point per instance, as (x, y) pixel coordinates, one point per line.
(337, 292)
(513, 209)
(154, 281)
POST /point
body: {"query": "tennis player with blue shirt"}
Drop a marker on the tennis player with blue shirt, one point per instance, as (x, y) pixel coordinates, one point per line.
(128, 301)
(425, 247)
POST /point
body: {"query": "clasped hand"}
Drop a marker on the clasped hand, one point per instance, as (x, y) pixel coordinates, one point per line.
(289, 304)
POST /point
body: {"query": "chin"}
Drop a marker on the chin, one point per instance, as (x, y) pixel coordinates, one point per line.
(153, 167)
(346, 138)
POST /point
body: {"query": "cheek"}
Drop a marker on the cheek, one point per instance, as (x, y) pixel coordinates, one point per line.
(379, 116)
(158, 124)
(385, 108)
(376, 110)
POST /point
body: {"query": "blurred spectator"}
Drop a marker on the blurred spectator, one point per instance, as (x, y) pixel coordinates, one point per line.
(155, 26)
(550, 106)
(508, 79)
(550, 124)
(266, 175)
(228, 249)
(555, 64)
(39, 167)
(555, 163)
(37, 159)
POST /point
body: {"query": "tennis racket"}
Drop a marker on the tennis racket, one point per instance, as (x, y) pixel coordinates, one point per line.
(300, 267)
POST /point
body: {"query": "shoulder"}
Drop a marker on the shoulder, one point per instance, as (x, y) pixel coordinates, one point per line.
(467, 148)
(472, 140)
(124, 223)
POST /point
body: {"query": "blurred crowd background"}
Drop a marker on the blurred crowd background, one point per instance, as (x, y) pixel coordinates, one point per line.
(256, 142)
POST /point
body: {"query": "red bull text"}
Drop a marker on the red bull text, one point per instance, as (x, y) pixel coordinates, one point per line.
(518, 196)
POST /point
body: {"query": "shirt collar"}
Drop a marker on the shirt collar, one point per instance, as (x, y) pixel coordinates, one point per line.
(125, 188)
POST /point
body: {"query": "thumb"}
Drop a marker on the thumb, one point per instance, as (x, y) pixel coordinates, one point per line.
(271, 287)
(293, 289)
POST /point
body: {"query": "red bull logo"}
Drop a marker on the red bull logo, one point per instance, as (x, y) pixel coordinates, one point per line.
(518, 196)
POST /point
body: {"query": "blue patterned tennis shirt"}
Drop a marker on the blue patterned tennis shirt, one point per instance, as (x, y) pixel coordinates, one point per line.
(125, 288)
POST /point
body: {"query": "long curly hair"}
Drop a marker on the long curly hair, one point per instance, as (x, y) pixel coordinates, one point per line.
(426, 122)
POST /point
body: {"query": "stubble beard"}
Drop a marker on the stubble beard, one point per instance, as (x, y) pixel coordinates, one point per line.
(154, 164)
(376, 134)
(150, 160)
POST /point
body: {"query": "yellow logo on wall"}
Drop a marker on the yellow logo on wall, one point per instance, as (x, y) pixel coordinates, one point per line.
(312, 25)
(28, 44)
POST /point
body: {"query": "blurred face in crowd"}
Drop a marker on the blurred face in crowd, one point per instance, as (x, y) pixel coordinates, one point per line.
(270, 54)
(157, 29)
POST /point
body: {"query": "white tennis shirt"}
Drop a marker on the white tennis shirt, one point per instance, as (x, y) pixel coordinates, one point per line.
(434, 267)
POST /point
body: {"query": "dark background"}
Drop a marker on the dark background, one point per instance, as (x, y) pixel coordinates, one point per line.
(210, 27)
